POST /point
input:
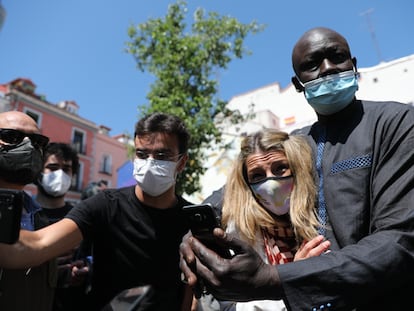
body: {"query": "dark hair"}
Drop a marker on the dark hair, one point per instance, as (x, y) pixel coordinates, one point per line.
(62, 151)
(93, 188)
(164, 123)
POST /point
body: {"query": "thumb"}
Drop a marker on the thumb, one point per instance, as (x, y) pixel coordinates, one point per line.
(237, 245)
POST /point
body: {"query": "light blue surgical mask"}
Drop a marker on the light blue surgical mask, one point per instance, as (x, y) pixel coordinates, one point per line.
(330, 94)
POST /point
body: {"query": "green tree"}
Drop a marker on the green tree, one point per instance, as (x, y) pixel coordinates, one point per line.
(185, 62)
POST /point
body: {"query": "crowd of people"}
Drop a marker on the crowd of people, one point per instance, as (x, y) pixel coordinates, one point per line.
(317, 219)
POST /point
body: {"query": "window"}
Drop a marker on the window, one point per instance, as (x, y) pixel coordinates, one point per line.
(106, 164)
(76, 184)
(78, 141)
(37, 116)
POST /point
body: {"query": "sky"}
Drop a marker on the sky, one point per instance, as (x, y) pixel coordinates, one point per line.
(75, 49)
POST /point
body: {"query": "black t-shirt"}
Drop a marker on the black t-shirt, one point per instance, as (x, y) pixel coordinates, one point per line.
(48, 216)
(134, 244)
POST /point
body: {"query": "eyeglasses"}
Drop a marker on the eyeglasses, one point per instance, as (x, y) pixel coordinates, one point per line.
(157, 155)
(14, 137)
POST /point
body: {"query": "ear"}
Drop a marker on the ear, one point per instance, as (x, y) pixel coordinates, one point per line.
(354, 61)
(297, 84)
(182, 162)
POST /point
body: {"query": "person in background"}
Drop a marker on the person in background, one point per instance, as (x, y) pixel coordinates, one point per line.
(60, 164)
(135, 231)
(93, 188)
(365, 165)
(21, 150)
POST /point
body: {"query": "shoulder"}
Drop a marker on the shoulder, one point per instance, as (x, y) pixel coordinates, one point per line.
(182, 202)
(394, 116)
(302, 131)
(216, 200)
(388, 107)
(111, 195)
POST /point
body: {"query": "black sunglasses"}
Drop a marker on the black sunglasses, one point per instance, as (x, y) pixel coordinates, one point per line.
(14, 137)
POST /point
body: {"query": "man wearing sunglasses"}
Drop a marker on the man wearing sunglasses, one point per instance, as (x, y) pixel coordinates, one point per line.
(135, 231)
(21, 150)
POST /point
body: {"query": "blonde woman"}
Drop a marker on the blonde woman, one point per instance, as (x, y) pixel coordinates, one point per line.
(269, 201)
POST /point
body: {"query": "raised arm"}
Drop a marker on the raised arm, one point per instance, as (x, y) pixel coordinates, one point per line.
(36, 247)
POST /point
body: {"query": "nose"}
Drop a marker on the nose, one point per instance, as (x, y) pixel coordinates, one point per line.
(327, 67)
(270, 174)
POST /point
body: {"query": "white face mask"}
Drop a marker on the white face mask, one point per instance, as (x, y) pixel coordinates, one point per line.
(154, 177)
(56, 183)
(273, 193)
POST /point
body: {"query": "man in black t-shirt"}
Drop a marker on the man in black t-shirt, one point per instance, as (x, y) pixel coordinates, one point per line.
(135, 231)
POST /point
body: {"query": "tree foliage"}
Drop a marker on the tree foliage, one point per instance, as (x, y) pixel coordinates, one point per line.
(185, 62)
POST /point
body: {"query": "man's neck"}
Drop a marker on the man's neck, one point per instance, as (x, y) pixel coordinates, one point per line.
(349, 112)
(50, 202)
(166, 200)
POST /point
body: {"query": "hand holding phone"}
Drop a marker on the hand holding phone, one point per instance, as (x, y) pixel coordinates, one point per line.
(202, 219)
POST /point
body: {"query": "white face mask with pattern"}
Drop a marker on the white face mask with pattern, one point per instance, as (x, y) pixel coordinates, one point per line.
(273, 193)
(154, 177)
(56, 183)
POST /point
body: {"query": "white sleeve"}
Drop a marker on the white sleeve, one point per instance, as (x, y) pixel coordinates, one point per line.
(261, 305)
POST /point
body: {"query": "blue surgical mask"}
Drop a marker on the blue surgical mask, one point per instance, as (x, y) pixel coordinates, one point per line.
(330, 94)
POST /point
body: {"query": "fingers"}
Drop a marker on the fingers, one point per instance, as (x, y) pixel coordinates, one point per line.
(188, 260)
(79, 263)
(206, 259)
(233, 243)
(314, 247)
(320, 249)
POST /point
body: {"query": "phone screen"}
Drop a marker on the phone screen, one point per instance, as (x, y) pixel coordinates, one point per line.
(202, 219)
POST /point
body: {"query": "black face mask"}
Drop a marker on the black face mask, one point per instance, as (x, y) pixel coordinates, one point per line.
(20, 164)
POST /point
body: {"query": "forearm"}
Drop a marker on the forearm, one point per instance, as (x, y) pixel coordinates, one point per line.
(36, 247)
(22, 254)
(373, 268)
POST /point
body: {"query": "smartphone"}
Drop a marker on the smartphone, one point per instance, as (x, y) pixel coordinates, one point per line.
(11, 206)
(202, 219)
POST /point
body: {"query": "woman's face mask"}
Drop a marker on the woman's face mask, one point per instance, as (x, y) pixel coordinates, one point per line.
(273, 193)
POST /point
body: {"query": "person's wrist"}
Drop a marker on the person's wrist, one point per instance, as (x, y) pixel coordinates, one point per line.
(270, 285)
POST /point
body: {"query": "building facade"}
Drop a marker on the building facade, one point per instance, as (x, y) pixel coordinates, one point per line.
(99, 154)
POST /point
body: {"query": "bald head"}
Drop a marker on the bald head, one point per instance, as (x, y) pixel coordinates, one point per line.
(319, 52)
(21, 148)
(19, 121)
